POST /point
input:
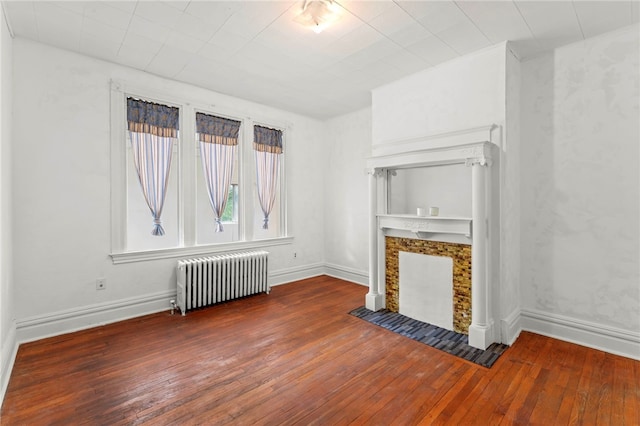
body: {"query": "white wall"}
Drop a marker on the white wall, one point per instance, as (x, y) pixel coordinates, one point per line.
(7, 309)
(460, 94)
(580, 184)
(62, 190)
(447, 187)
(347, 146)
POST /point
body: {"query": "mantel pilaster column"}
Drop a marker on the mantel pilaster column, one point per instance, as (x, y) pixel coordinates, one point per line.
(374, 300)
(480, 330)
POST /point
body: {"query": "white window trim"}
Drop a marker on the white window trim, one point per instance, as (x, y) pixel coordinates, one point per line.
(186, 182)
(140, 256)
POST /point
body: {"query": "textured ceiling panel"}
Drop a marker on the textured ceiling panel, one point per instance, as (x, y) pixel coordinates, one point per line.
(257, 51)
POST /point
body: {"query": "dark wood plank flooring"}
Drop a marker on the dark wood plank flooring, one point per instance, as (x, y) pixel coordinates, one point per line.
(296, 357)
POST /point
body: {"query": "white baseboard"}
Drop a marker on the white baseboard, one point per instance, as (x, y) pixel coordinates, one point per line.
(8, 357)
(347, 274)
(285, 276)
(609, 339)
(510, 327)
(56, 323)
(605, 338)
(61, 322)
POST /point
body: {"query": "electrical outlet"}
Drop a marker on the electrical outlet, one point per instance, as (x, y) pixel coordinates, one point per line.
(295, 255)
(101, 284)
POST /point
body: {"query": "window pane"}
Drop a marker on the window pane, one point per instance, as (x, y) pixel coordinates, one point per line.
(229, 214)
(139, 217)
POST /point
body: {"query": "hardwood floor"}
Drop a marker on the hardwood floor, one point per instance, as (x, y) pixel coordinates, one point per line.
(296, 357)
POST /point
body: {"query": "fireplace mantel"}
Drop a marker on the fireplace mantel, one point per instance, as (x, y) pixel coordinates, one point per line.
(459, 154)
(426, 224)
(475, 149)
(454, 139)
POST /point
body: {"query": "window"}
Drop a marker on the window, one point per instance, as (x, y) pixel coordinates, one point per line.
(218, 142)
(152, 204)
(267, 150)
(189, 180)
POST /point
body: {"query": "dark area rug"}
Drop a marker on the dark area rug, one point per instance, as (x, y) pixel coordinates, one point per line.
(439, 338)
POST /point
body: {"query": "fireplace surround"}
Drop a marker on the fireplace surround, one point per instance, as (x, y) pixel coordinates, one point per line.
(473, 148)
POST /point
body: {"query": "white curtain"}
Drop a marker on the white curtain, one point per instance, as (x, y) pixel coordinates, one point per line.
(217, 165)
(152, 159)
(267, 146)
(267, 166)
(218, 145)
(153, 130)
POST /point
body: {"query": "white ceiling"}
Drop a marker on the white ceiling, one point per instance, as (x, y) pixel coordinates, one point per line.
(255, 50)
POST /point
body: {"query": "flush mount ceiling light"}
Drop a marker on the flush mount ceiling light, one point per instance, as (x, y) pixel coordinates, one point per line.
(318, 14)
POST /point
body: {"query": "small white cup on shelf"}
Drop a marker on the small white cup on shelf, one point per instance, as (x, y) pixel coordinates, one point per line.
(434, 211)
(421, 212)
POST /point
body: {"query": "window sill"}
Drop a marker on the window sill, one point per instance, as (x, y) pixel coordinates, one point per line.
(142, 256)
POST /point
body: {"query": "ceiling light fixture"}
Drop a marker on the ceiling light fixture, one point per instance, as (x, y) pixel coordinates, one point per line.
(318, 14)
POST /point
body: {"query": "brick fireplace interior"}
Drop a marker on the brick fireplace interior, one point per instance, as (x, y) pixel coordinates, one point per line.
(461, 256)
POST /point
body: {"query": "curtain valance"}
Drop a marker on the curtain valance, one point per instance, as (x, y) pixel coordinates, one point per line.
(267, 140)
(151, 118)
(218, 130)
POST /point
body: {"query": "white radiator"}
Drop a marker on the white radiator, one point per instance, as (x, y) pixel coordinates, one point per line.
(208, 280)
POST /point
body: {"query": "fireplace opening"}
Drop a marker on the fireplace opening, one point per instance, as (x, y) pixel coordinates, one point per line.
(460, 257)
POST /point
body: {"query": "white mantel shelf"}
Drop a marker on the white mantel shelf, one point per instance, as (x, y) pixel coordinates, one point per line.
(426, 224)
